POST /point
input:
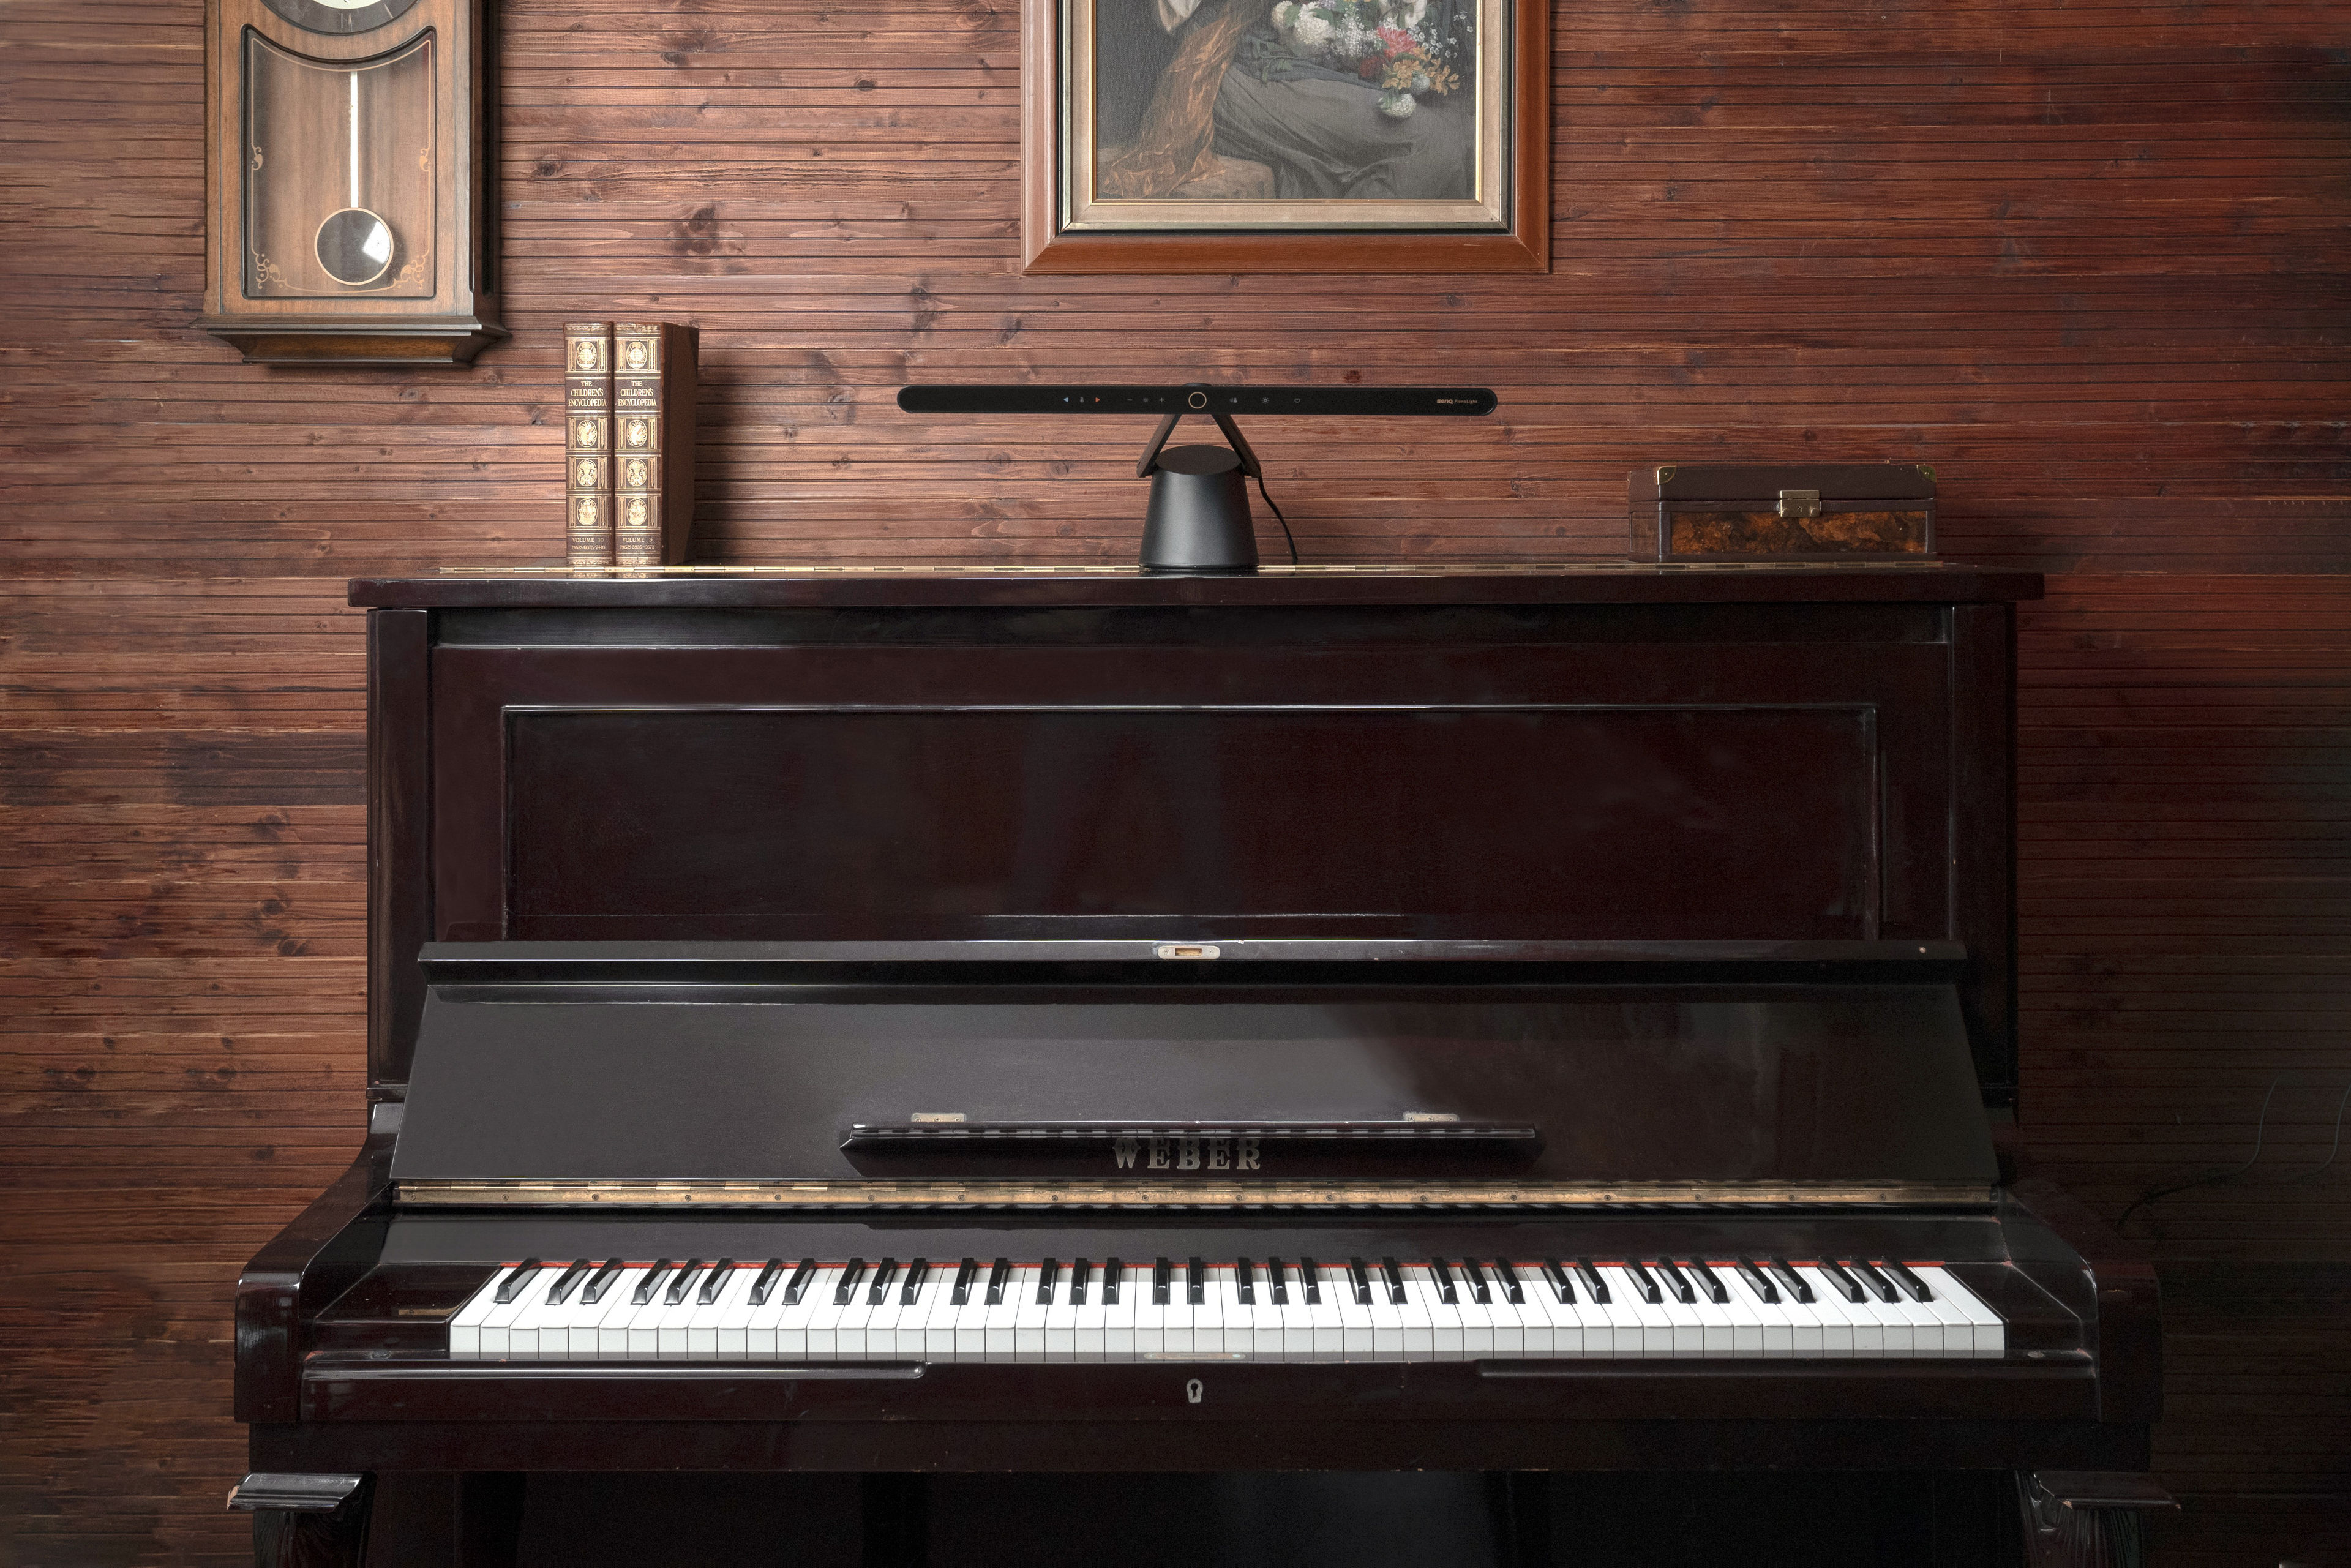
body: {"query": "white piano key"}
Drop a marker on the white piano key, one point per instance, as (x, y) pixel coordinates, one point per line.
(1839, 1339)
(1476, 1318)
(1505, 1318)
(496, 1328)
(1089, 1320)
(1208, 1315)
(1028, 1315)
(1119, 1335)
(1718, 1325)
(1653, 1328)
(732, 1332)
(1389, 1341)
(1175, 1320)
(1562, 1335)
(1426, 1336)
(1990, 1333)
(1808, 1336)
(1150, 1312)
(1296, 1333)
(702, 1328)
(1959, 1329)
(848, 1341)
(882, 1319)
(466, 1327)
(1925, 1326)
(1335, 1337)
(1061, 1323)
(1779, 1333)
(1686, 1328)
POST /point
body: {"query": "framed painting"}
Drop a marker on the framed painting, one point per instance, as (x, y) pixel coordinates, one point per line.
(1341, 136)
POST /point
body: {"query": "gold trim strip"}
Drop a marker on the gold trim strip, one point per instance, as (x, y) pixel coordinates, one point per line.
(846, 1194)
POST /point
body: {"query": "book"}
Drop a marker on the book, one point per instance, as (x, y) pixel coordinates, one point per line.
(588, 443)
(653, 411)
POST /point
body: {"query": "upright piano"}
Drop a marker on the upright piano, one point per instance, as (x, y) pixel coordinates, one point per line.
(904, 1023)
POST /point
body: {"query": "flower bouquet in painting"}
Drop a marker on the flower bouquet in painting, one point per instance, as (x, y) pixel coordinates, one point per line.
(1398, 46)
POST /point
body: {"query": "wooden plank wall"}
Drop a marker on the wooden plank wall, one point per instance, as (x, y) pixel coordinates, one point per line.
(2086, 260)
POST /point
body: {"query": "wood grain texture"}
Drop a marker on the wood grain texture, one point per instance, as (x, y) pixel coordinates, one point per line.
(2086, 261)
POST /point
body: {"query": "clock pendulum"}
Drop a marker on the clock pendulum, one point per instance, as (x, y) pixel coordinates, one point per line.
(355, 245)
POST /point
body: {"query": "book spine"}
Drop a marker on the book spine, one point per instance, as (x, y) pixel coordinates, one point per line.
(652, 403)
(588, 443)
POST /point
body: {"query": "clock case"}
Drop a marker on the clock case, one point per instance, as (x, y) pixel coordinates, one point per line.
(437, 302)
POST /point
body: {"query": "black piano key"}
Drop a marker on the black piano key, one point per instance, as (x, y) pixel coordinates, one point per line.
(1786, 1272)
(1675, 1280)
(1593, 1285)
(1113, 1272)
(765, 1285)
(1276, 1276)
(1847, 1286)
(559, 1291)
(1763, 1288)
(1644, 1282)
(720, 1272)
(683, 1283)
(1707, 1280)
(917, 1272)
(1481, 1289)
(1557, 1275)
(1908, 1282)
(650, 1282)
(1048, 1276)
(1245, 1283)
(1873, 1280)
(881, 1278)
(1394, 1277)
(1362, 1280)
(1000, 1274)
(511, 1286)
(1308, 1276)
(1444, 1277)
(797, 1286)
(1160, 1271)
(1196, 1283)
(1513, 1290)
(966, 1273)
(612, 1270)
(1078, 1271)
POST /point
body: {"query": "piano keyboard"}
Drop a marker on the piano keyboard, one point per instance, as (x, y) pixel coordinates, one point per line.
(1298, 1310)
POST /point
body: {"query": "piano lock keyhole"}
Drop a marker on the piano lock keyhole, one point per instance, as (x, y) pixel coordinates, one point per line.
(1192, 1392)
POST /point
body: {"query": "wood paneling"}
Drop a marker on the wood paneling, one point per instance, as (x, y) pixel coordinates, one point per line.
(2086, 261)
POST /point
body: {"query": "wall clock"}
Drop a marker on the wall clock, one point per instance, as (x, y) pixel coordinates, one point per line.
(350, 159)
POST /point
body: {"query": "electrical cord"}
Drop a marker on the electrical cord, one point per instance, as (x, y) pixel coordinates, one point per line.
(1279, 518)
(2261, 1131)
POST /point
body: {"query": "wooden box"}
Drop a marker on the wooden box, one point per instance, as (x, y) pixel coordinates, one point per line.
(1798, 511)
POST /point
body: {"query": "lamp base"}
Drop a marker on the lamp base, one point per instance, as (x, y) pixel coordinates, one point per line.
(1198, 518)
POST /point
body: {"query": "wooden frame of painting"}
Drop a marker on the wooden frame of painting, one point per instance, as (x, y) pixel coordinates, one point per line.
(1336, 136)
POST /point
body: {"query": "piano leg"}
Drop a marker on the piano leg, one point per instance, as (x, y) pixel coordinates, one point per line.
(2086, 1519)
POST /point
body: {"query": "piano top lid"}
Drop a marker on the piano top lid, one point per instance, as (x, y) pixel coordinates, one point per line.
(583, 1073)
(967, 584)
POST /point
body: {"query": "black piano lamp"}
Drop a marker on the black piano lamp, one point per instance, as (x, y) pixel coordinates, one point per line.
(1197, 518)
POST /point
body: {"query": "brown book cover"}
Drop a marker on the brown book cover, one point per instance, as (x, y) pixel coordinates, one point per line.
(653, 405)
(588, 443)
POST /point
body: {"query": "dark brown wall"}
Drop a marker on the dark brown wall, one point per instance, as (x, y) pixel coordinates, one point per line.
(2088, 262)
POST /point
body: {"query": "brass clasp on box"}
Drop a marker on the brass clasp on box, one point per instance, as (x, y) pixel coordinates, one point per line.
(1799, 504)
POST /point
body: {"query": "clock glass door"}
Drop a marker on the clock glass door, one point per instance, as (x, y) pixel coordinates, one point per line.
(338, 164)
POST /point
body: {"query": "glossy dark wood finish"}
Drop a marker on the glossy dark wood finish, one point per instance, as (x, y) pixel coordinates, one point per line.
(713, 664)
